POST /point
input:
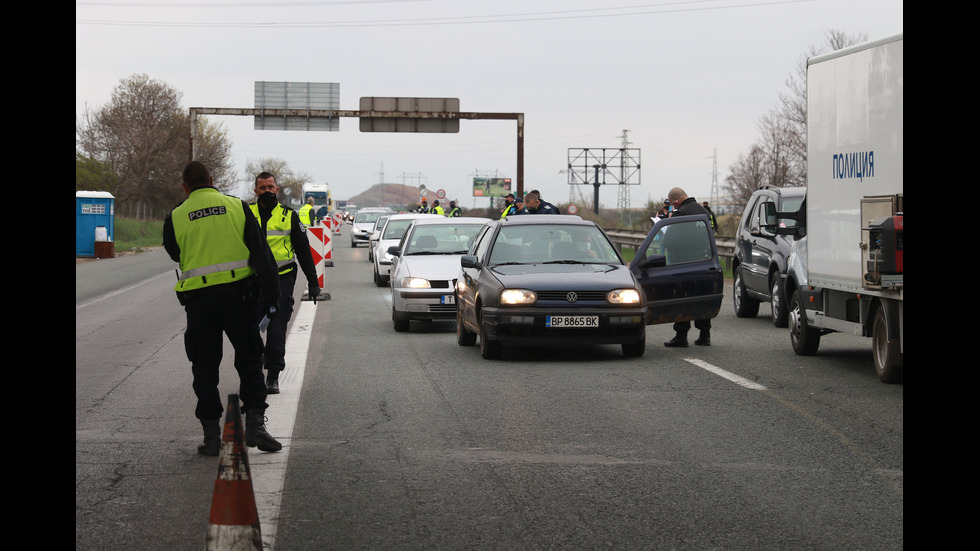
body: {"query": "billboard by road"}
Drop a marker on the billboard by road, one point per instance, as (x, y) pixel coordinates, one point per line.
(491, 187)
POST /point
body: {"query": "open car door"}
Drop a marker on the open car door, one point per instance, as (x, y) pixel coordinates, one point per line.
(677, 266)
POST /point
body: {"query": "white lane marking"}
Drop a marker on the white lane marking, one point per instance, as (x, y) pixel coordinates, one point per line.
(269, 469)
(722, 373)
(119, 291)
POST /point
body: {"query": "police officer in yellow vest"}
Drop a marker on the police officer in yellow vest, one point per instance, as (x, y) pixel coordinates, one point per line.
(306, 214)
(436, 209)
(226, 269)
(509, 207)
(287, 239)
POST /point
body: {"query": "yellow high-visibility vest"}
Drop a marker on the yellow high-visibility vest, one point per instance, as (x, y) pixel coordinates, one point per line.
(209, 228)
(277, 233)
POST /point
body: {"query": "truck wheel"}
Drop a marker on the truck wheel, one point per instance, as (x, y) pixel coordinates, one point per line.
(780, 312)
(745, 306)
(464, 337)
(805, 339)
(888, 357)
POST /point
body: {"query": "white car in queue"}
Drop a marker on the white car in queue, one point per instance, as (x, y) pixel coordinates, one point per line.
(390, 234)
(373, 236)
(425, 266)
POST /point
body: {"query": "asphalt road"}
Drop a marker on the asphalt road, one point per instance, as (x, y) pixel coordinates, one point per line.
(409, 441)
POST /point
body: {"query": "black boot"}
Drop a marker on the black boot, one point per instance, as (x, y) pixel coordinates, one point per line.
(704, 339)
(256, 435)
(272, 382)
(679, 341)
(212, 437)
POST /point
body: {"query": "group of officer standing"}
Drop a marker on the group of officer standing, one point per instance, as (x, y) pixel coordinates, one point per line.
(238, 266)
(529, 204)
(436, 208)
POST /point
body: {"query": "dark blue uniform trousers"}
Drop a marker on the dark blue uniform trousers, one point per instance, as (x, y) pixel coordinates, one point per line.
(213, 311)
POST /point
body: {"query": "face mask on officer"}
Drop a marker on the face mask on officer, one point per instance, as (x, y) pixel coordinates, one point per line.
(268, 199)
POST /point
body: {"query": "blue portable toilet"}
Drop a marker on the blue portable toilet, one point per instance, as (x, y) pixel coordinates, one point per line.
(94, 222)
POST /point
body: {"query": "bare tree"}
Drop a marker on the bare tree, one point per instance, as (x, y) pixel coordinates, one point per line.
(142, 137)
(745, 175)
(290, 182)
(778, 158)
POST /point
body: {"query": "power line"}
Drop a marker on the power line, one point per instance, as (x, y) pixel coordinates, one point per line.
(455, 20)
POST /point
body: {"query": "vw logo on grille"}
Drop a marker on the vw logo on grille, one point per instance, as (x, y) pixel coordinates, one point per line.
(571, 297)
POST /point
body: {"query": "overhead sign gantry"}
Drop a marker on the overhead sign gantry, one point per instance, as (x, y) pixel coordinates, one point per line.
(312, 106)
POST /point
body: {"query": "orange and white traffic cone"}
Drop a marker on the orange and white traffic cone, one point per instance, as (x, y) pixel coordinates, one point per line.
(234, 516)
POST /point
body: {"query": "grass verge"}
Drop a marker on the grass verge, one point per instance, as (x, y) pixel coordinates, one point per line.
(137, 235)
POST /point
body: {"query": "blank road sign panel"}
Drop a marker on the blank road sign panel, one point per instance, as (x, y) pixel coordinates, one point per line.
(415, 115)
(297, 95)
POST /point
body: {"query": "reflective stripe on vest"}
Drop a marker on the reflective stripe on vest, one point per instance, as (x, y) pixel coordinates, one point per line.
(278, 229)
(209, 228)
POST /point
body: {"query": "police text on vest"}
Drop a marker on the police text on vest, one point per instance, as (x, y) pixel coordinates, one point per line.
(205, 212)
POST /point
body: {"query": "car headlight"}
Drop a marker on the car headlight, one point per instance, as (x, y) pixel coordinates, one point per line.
(518, 296)
(415, 283)
(623, 296)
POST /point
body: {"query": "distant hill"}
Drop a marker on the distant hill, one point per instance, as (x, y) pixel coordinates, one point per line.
(394, 195)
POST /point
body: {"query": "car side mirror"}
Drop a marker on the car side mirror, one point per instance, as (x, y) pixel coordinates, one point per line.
(393, 250)
(654, 261)
(773, 217)
(469, 261)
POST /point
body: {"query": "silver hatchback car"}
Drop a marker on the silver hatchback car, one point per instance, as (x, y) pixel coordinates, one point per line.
(391, 234)
(425, 268)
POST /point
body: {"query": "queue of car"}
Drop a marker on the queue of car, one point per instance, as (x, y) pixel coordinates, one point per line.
(545, 281)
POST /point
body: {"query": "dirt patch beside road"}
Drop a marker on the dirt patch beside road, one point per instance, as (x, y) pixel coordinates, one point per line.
(80, 259)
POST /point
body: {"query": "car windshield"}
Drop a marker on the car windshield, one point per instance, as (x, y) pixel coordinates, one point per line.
(441, 238)
(560, 244)
(395, 229)
(364, 217)
(682, 242)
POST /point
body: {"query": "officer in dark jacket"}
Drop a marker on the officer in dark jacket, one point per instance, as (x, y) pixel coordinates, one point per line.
(711, 214)
(534, 204)
(226, 266)
(454, 211)
(685, 206)
(287, 239)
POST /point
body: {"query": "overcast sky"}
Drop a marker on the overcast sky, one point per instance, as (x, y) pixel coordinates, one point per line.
(687, 80)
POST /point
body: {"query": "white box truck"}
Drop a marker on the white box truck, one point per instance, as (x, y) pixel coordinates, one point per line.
(845, 272)
(322, 202)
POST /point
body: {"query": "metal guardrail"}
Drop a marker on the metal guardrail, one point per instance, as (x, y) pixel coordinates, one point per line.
(631, 238)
